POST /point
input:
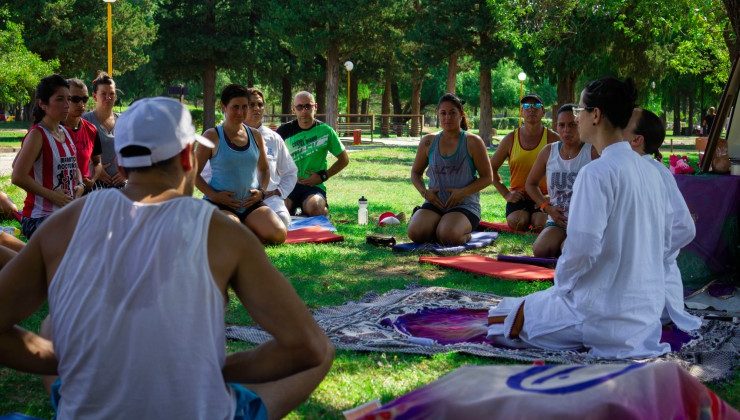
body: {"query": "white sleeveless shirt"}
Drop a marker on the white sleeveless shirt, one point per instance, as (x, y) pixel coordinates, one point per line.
(138, 321)
(561, 174)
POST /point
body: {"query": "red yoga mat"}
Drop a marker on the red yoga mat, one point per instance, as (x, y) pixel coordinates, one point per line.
(485, 266)
(312, 235)
(499, 227)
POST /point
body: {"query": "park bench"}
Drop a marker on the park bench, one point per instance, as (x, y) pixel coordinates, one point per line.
(366, 123)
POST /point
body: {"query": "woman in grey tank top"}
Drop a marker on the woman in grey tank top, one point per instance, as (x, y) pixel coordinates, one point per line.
(458, 168)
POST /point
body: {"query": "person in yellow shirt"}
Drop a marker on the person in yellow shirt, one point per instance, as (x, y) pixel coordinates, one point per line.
(521, 148)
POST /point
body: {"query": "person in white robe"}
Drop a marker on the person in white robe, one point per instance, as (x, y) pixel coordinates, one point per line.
(646, 133)
(609, 288)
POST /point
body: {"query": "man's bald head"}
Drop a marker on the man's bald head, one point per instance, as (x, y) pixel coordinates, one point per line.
(304, 95)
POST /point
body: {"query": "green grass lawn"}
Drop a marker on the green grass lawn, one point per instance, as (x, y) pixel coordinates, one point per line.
(335, 273)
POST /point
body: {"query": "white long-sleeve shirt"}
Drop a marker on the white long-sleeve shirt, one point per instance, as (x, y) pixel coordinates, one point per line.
(610, 279)
(283, 171)
(682, 231)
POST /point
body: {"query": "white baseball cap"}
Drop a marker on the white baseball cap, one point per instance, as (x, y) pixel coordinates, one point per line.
(162, 125)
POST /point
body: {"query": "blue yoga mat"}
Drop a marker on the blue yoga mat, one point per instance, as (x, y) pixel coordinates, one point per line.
(477, 240)
(304, 222)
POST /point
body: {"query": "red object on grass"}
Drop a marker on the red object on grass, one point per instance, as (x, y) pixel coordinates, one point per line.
(485, 266)
(312, 235)
(499, 227)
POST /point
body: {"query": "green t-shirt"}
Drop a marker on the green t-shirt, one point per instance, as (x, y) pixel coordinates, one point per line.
(309, 147)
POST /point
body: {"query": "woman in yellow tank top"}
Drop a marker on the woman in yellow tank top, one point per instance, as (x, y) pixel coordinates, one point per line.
(521, 147)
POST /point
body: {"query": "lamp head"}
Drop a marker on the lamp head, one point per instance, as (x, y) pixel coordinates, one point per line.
(522, 76)
(348, 65)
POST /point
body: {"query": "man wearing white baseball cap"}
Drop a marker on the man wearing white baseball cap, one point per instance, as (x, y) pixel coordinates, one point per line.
(137, 282)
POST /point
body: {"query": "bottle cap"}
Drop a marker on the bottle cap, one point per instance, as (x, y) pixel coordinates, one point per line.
(363, 199)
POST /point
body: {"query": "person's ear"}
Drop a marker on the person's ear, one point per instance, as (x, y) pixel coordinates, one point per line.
(597, 116)
(637, 142)
(187, 158)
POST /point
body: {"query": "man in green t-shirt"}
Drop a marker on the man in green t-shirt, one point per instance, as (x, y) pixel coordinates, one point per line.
(309, 140)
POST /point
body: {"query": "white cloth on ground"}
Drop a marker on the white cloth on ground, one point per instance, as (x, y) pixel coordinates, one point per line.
(608, 282)
(683, 232)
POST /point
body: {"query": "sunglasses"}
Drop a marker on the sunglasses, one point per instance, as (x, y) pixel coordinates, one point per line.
(77, 99)
(301, 107)
(536, 105)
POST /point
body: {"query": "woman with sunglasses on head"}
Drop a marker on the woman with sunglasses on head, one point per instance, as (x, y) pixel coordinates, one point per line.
(609, 289)
(84, 134)
(521, 148)
(240, 173)
(46, 166)
(558, 163)
(454, 157)
(104, 120)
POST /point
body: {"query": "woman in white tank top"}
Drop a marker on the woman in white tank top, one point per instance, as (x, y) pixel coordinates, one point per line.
(560, 162)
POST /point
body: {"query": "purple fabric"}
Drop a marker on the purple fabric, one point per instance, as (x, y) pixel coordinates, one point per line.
(462, 325)
(522, 259)
(714, 203)
(721, 290)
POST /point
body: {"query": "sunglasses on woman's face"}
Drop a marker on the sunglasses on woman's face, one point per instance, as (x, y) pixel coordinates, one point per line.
(536, 105)
(77, 99)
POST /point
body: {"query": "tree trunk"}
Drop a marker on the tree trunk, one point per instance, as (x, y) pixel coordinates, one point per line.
(385, 109)
(396, 101)
(354, 84)
(485, 128)
(320, 96)
(286, 98)
(209, 96)
(566, 90)
(733, 14)
(416, 83)
(364, 105)
(452, 73)
(332, 85)
(691, 114)
(677, 115)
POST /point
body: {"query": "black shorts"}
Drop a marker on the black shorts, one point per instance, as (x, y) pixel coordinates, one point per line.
(242, 215)
(301, 192)
(472, 218)
(30, 224)
(524, 204)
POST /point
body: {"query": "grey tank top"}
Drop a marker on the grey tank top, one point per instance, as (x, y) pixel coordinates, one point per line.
(108, 152)
(454, 171)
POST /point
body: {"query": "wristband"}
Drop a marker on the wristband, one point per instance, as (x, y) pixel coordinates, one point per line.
(263, 193)
(323, 175)
(544, 205)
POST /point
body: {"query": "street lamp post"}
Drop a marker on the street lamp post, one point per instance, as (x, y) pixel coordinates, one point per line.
(110, 36)
(522, 77)
(348, 65)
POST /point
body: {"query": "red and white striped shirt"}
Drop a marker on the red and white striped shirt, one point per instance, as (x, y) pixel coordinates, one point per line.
(55, 169)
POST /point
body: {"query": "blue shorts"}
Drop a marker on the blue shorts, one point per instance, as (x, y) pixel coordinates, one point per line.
(248, 404)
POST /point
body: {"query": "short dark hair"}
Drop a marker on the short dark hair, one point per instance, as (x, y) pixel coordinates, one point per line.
(566, 108)
(232, 91)
(44, 91)
(256, 92)
(615, 99)
(650, 127)
(133, 150)
(75, 82)
(102, 79)
(453, 99)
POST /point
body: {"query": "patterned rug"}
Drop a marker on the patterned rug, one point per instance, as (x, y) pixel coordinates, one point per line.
(372, 324)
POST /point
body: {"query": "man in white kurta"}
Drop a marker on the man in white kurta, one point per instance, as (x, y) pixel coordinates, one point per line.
(283, 173)
(609, 288)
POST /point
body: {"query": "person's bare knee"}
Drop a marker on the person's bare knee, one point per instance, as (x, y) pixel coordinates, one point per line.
(539, 220)
(454, 229)
(314, 205)
(422, 226)
(518, 220)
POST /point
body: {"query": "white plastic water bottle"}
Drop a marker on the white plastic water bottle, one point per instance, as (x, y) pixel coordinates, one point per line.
(362, 211)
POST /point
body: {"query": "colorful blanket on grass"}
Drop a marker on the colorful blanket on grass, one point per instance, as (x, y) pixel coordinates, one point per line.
(449, 321)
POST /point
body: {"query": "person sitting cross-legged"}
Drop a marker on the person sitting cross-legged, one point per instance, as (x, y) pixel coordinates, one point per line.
(309, 142)
(240, 173)
(458, 168)
(559, 162)
(137, 282)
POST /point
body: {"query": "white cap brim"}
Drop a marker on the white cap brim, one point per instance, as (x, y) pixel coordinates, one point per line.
(204, 141)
